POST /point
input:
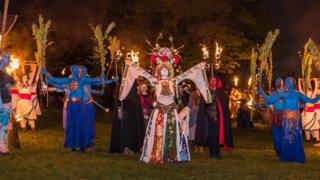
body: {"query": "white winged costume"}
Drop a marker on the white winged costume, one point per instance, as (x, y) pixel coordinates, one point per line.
(166, 138)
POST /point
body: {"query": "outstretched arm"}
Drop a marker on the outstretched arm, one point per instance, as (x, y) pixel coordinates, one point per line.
(55, 80)
(59, 86)
(272, 99)
(309, 100)
(99, 79)
(52, 79)
(107, 81)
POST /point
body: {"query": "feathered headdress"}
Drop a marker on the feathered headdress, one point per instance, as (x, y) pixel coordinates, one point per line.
(164, 54)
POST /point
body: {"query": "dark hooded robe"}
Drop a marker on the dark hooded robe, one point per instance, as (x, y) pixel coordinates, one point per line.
(128, 131)
(213, 124)
(222, 100)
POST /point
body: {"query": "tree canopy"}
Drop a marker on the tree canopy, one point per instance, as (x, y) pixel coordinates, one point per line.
(238, 25)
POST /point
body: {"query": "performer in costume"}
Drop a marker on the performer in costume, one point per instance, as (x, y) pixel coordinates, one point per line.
(234, 101)
(291, 149)
(165, 138)
(128, 124)
(218, 116)
(5, 102)
(308, 116)
(317, 110)
(147, 100)
(78, 135)
(276, 116)
(25, 110)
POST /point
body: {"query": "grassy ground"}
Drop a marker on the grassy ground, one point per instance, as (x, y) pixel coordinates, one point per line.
(45, 158)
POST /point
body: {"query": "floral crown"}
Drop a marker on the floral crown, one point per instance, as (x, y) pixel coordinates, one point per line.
(164, 54)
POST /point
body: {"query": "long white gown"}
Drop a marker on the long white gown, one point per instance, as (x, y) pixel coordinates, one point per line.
(166, 132)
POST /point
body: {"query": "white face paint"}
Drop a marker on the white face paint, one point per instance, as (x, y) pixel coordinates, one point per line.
(164, 73)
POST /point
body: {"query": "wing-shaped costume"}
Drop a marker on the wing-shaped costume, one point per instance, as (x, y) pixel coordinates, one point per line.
(130, 74)
(197, 74)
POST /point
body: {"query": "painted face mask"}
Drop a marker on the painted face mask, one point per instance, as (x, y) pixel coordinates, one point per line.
(289, 83)
(74, 70)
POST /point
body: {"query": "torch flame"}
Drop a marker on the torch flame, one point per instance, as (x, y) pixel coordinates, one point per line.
(250, 103)
(205, 52)
(63, 72)
(236, 80)
(14, 64)
(219, 50)
(249, 81)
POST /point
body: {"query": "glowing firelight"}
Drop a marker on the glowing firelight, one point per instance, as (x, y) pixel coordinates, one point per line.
(249, 81)
(63, 72)
(217, 56)
(236, 80)
(205, 52)
(14, 64)
(134, 56)
(219, 50)
(250, 103)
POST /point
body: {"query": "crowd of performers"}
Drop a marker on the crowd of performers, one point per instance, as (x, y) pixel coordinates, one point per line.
(158, 115)
(168, 117)
(287, 128)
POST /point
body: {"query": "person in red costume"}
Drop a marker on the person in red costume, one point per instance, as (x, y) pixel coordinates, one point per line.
(218, 116)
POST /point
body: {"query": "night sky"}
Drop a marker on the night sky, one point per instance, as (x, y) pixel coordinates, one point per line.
(297, 20)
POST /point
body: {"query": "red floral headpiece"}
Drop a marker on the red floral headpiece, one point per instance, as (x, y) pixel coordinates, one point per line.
(165, 54)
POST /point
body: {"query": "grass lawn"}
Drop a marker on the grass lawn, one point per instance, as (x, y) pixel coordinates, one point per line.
(45, 158)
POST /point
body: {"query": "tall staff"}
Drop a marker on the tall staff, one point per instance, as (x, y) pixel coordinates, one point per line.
(265, 56)
(4, 21)
(40, 33)
(311, 56)
(100, 50)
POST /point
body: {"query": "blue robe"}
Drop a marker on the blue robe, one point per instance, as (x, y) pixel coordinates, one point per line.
(79, 131)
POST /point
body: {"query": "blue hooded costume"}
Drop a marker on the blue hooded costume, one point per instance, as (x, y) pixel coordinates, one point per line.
(291, 142)
(78, 135)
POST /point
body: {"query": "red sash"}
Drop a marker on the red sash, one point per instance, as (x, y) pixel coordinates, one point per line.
(25, 96)
(316, 106)
(310, 109)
